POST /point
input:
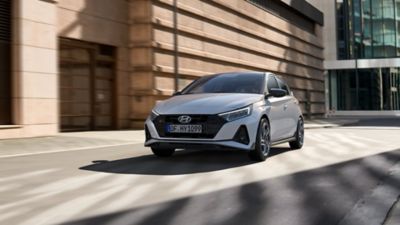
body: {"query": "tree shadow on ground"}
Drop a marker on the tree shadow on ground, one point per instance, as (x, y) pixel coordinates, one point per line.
(182, 162)
(318, 196)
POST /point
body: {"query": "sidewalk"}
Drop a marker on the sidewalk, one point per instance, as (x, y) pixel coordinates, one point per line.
(328, 122)
(69, 141)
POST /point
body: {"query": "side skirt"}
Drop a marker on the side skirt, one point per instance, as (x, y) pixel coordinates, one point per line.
(283, 141)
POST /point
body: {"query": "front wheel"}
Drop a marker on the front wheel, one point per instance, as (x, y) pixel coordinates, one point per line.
(263, 142)
(298, 143)
(162, 152)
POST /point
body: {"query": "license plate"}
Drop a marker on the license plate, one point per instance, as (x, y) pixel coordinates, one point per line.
(195, 129)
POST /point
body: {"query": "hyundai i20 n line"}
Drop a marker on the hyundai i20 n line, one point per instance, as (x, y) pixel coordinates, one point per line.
(250, 111)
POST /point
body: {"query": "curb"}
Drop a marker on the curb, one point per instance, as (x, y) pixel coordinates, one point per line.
(321, 126)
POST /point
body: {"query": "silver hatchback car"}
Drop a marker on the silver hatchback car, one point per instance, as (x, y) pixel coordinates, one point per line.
(250, 111)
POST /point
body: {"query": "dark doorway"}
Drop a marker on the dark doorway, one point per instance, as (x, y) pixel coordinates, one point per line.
(5, 62)
(87, 73)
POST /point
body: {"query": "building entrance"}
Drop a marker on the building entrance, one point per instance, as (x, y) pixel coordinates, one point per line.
(86, 86)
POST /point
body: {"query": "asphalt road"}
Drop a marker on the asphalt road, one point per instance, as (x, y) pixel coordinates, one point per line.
(319, 184)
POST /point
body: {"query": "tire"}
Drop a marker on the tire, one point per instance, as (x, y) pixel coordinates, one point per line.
(162, 152)
(263, 142)
(298, 143)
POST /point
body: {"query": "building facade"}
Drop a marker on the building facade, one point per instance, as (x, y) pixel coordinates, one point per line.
(362, 53)
(70, 65)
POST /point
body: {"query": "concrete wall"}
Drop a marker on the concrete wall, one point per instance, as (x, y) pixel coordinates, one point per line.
(219, 36)
(329, 30)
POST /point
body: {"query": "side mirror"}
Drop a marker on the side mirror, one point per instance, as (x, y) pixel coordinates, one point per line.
(276, 92)
(177, 93)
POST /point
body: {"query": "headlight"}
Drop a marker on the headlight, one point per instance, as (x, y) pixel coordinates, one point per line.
(236, 114)
(153, 115)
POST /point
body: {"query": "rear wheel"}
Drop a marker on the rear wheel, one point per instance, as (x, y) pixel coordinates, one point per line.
(298, 143)
(162, 152)
(263, 142)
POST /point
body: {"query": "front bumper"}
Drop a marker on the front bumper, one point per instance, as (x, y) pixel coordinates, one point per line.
(224, 138)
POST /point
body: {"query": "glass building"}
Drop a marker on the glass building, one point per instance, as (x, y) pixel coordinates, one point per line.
(362, 55)
(365, 89)
(368, 28)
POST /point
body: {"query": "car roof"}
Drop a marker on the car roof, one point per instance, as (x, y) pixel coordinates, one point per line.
(236, 73)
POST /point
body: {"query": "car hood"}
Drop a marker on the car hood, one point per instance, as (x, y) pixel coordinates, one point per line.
(205, 103)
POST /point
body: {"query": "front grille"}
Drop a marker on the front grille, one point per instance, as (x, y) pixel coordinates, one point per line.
(211, 124)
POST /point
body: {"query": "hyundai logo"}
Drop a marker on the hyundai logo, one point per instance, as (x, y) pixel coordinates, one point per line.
(184, 119)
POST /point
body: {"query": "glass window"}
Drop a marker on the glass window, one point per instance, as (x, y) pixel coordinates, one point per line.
(365, 89)
(341, 30)
(228, 83)
(367, 28)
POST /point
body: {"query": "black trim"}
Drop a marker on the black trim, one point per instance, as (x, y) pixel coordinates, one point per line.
(299, 13)
(307, 10)
(242, 136)
(211, 124)
(209, 145)
(283, 141)
(147, 133)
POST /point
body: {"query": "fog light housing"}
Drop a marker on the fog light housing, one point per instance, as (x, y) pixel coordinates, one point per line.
(242, 136)
(147, 133)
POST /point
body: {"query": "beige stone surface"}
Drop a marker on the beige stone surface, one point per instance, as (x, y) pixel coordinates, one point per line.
(82, 26)
(35, 67)
(11, 133)
(39, 60)
(37, 34)
(38, 11)
(141, 57)
(38, 85)
(39, 111)
(40, 130)
(123, 82)
(115, 10)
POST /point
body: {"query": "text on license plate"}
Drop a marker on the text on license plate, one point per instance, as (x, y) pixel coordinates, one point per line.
(172, 128)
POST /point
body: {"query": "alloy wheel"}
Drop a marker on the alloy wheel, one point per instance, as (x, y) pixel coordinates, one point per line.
(300, 134)
(265, 141)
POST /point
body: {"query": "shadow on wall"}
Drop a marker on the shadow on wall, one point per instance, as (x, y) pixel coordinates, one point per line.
(95, 21)
(78, 24)
(320, 196)
(307, 85)
(182, 162)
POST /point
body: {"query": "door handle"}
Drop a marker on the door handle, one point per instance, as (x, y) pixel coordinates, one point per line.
(285, 107)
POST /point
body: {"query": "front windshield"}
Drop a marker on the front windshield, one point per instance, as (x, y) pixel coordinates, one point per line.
(252, 83)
